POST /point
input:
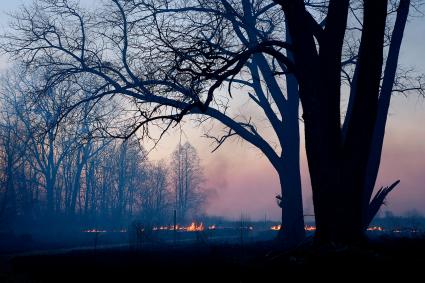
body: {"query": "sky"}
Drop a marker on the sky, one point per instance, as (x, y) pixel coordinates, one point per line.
(242, 181)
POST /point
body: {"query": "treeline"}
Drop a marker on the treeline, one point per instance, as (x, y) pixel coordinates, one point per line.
(57, 167)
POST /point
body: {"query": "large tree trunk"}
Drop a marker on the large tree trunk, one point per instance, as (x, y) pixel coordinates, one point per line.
(360, 130)
(337, 167)
(289, 174)
(381, 121)
(292, 231)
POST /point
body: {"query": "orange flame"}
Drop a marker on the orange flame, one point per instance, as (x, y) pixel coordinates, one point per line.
(193, 227)
(276, 227)
(309, 228)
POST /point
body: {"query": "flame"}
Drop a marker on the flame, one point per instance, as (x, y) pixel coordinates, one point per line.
(375, 228)
(193, 227)
(309, 228)
(276, 227)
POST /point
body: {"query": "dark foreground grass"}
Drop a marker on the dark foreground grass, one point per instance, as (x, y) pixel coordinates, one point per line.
(260, 262)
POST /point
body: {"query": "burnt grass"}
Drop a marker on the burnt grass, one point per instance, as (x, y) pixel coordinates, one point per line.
(380, 259)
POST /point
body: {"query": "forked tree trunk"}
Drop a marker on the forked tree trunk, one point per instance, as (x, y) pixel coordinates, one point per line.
(337, 167)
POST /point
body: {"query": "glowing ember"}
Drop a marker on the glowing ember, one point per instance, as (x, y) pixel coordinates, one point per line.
(276, 227)
(307, 228)
(212, 227)
(193, 227)
(375, 228)
(310, 228)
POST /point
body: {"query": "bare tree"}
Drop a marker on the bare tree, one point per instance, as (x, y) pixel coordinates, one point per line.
(12, 148)
(46, 143)
(156, 195)
(187, 177)
(60, 169)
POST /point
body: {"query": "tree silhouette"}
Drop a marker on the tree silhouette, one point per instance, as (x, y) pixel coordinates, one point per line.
(187, 177)
(169, 60)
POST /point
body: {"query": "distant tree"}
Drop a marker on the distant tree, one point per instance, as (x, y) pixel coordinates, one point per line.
(157, 197)
(132, 171)
(187, 177)
(12, 148)
(46, 145)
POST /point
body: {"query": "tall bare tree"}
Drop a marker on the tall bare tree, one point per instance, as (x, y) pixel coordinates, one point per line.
(187, 177)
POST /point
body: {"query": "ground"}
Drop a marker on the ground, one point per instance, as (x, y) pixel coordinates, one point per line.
(254, 262)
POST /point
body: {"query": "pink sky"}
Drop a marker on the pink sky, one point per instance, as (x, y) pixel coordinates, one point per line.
(244, 181)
